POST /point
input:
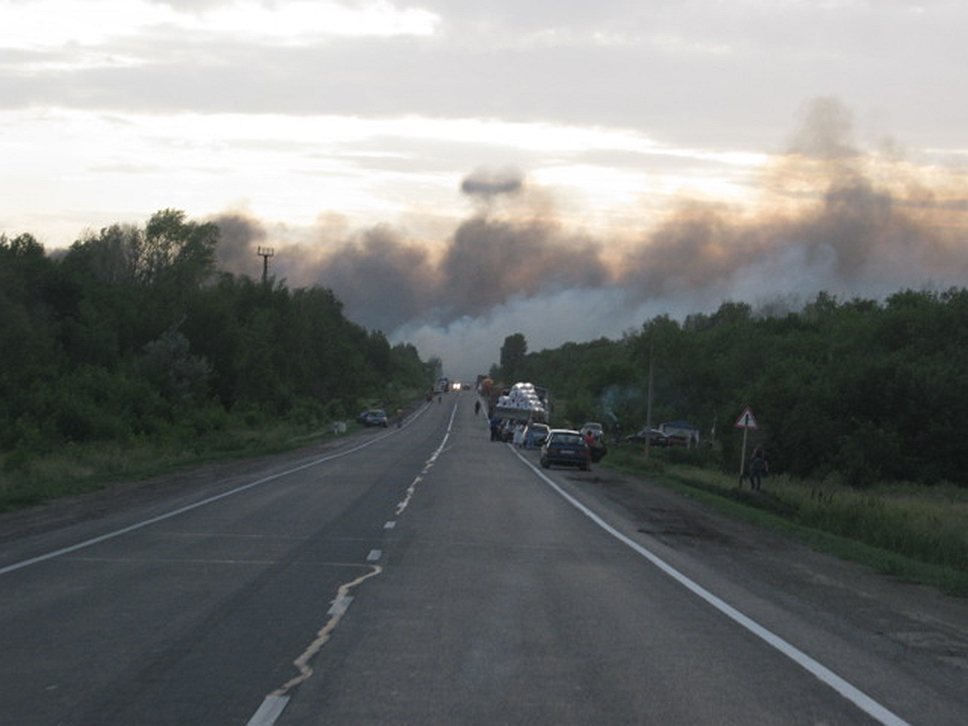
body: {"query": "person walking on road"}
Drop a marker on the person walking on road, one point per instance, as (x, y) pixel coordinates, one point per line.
(518, 436)
(759, 468)
(477, 407)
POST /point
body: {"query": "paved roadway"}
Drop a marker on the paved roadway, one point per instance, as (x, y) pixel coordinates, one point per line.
(429, 577)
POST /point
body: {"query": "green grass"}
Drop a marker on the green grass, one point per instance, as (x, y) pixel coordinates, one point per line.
(79, 468)
(36, 474)
(913, 532)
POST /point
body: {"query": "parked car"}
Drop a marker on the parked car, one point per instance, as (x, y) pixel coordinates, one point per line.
(535, 435)
(566, 447)
(375, 417)
(595, 429)
(655, 437)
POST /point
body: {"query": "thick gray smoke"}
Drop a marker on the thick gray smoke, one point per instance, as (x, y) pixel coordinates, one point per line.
(383, 281)
(832, 218)
(490, 262)
(239, 240)
(487, 184)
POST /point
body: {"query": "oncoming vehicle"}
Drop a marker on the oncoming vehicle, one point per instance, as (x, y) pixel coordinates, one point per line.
(535, 435)
(375, 417)
(565, 447)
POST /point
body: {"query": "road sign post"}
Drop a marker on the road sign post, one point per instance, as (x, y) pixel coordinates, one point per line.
(746, 421)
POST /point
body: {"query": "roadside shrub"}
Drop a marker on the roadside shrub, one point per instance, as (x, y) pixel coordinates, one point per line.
(701, 456)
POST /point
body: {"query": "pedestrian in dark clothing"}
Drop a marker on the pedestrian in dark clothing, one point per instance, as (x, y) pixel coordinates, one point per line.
(495, 429)
(759, 468)
(477, 407)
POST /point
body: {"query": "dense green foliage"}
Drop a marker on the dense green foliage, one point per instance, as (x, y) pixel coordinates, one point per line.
(512, 355)
(133, 333)
(859, 391)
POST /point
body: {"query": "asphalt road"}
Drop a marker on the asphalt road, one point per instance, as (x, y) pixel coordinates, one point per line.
(421, 575)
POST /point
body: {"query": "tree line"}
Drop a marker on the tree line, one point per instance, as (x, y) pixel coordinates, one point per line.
(134, 332)
(856, 390)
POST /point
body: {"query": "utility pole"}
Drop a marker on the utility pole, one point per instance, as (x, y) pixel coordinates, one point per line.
(648, 404)
(265, 253)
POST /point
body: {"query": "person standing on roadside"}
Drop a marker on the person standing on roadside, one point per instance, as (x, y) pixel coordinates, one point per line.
(759, 468)
(477, 407)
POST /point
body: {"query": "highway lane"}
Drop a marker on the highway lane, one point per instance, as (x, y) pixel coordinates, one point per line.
(502, 603)
(488, 598)
(192, 619)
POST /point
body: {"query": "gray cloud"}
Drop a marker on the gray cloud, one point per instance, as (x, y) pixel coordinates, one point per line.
(570, 62)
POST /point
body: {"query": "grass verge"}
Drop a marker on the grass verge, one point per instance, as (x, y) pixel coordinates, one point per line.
(80, 468)
(918, 534)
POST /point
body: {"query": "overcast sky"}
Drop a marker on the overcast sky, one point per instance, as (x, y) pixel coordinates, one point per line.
(320, 122)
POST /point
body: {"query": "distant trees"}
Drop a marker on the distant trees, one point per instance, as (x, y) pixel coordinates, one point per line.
(133, 332)
(512, 355)
(859, 390)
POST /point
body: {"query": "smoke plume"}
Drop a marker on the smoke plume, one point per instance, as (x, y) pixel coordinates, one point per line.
(487, 184)
(830, 216)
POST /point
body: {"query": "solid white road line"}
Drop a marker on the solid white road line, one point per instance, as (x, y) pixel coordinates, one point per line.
(181, 510)
(853, 694)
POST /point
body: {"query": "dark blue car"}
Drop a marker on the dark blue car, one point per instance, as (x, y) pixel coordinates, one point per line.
(565, 447)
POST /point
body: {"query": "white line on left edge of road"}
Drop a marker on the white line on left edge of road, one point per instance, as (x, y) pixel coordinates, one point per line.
(853, 694)
(181, 510)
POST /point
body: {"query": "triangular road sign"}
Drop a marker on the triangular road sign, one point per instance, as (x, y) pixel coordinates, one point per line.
(746, 419)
